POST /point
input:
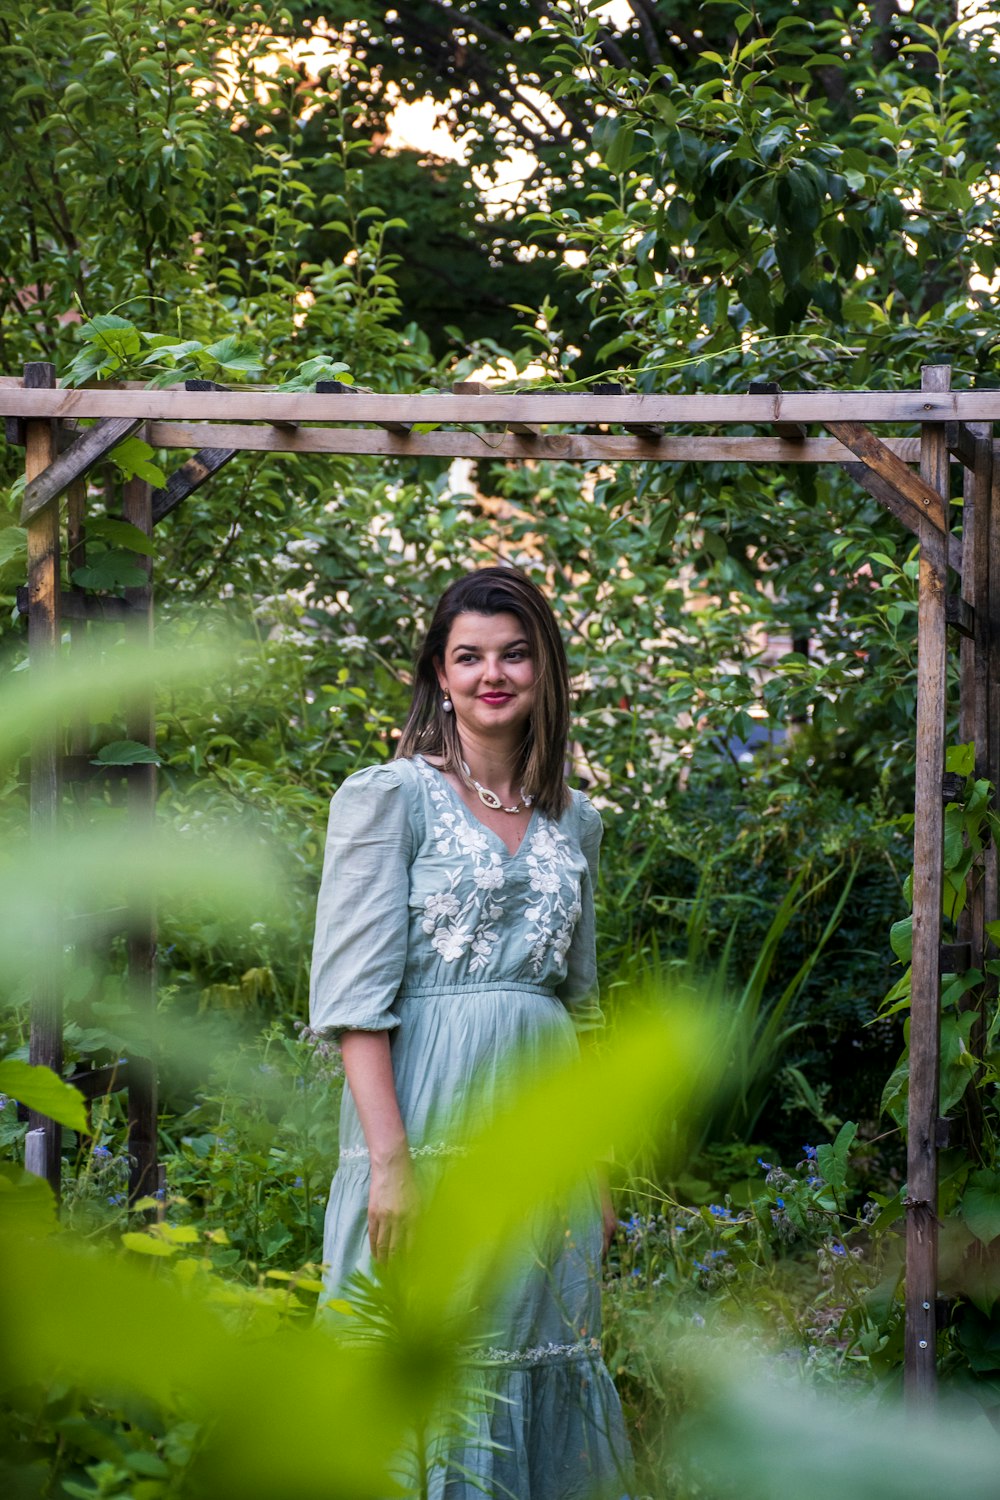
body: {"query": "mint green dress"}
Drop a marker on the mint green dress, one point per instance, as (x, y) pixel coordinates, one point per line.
(428, 927)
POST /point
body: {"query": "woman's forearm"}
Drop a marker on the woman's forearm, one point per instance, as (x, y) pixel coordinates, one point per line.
(368, 1068)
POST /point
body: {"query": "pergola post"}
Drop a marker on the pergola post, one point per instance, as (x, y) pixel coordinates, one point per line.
(44, 1135)
(137, 507)
(925, 1004)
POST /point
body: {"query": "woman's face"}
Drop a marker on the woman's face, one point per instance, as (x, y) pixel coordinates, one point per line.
(488, 672)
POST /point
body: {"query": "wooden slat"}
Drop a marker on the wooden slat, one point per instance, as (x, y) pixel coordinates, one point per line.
(338, 388)
(651, 431)
(928, 849)
(79, 606)
(562, 446)
(480, 388)
(249, 405)
(961, 442)
(793, 432)
(189, 477)
(88, 449)
(93, 1082)
(874, 454)
(942, 552)
(43, 647)
(960, 615)
(137, 507)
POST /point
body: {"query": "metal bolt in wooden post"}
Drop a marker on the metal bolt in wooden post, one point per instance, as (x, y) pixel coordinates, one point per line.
(928, 850)
(44, 1135)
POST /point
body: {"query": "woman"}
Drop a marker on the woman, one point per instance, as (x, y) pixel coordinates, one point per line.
(455, 927)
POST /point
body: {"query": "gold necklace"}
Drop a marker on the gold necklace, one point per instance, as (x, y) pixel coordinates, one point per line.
(491, 800)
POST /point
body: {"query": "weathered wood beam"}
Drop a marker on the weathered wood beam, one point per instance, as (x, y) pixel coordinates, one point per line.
(338, 388)
(943, 552)
(792, 432)
(960, 615)
(480, 388)
(46, 1048)
(189, 477)
(650, 430)
(873, 453)
(569, 446)
(88, 449)
(93, 1082)
(249, 405)
(81, 606)
(961, 443)
(919, 1370)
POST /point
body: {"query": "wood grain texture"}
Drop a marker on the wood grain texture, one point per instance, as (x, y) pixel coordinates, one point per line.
(93, 444)
(137, 507)
(572, 447)
(538, 408)
(43, 646)
(189, 477)
(919, 1370)
(921, 498)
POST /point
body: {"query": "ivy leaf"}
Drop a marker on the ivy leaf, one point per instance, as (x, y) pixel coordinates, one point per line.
(126, 753)
(42, 1090)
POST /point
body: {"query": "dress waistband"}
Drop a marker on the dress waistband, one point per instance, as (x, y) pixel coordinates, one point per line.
(472, 987)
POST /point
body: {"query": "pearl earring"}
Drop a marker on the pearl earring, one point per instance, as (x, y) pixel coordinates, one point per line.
(447, 704)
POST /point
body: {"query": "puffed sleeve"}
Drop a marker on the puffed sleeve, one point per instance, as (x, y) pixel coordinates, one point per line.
(359, 950)
(578, 991)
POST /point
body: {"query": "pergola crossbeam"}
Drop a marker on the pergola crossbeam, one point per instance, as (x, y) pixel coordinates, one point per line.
(188, 476)
(83, 453)
(920, 500)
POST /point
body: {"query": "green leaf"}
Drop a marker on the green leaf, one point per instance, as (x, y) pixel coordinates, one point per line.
(961, 759)
(40, 1089)
(121, 534)
(13, 545)
(981, 1205)
(133, 457)
(145, 1244)
(109, 571)
(27, 1203)
(234, 354)
(901, 939)
(126, 753)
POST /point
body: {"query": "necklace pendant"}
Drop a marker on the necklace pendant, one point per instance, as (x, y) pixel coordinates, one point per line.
(488, 798)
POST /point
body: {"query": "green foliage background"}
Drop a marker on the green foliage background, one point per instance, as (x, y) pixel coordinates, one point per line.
(726, 193)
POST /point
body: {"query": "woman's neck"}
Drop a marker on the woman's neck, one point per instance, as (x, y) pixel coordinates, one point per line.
(493, 761)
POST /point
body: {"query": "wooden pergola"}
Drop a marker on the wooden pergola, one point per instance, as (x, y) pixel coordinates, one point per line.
(910, 474)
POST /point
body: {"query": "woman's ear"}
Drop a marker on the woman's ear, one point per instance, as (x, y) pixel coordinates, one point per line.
(441, 675)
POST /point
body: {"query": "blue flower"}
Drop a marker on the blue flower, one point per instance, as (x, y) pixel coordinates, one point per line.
(101, 1151)
(765, 1164)
(116, 1200)
(810, 1152)
(718, 1211)
(838, 1250)
(780, 1202)
(697, 1320)
(298, 1182)
(813, 1181)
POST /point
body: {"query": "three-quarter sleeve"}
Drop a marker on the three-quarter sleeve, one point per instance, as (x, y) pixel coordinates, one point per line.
(362, 914)
(578, 991)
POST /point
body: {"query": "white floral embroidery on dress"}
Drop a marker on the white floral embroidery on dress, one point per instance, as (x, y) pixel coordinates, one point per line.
(438, 1148)
(459, 929)
(543, 1353)
(556, 910)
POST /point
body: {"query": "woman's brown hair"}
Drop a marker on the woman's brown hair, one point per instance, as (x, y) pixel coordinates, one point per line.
(541, 764)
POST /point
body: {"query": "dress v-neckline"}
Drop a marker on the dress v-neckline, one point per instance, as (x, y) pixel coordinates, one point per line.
(472, 818)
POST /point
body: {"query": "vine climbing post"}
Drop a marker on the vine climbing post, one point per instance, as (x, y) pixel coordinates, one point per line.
(928, 855)
(44, 1135)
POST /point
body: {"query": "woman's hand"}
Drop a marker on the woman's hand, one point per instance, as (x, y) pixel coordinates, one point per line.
(609, 1217)
(392, 1202)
